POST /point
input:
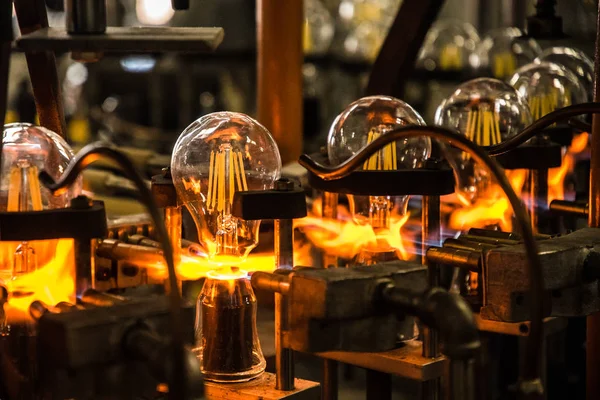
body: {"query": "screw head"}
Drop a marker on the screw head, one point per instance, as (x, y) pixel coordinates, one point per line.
(284, 185)
(81, 202)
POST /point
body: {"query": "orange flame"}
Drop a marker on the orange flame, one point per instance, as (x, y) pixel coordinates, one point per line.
(556, 176)
(344, 238)
(51, 283)
(490, 208)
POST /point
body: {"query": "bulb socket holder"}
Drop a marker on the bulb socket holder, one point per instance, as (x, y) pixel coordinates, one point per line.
(269, 204)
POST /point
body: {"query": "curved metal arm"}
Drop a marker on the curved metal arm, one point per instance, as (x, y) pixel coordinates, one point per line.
(531, 370)
(547, 120)
(82, 160)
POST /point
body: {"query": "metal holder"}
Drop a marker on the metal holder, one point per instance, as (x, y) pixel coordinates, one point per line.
(431, 182)
(282, 204)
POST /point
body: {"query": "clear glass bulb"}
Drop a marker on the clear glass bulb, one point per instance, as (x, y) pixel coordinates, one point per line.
(318, 28)
(504, 50)
(26, 151)
(487, 111)
(448, 46)
(575, 61)
(547, 87)
(227, 342)
(358, 125)
(217, 155)
(365, 24)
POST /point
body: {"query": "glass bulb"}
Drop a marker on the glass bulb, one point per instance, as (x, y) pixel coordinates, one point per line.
(487, 111)
(358, 125)
(504, 50)
(318, 28)
(217, 155)
(547, 86)
(26, 151)
(227, 343)
(448, 46)
(574, 60)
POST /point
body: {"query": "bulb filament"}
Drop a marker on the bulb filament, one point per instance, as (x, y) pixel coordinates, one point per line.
(482, 128)
(548, 102)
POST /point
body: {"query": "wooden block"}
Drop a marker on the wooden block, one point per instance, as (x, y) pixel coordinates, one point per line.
(261, 388)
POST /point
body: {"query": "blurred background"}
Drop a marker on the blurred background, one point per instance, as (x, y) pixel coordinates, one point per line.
(145, 101)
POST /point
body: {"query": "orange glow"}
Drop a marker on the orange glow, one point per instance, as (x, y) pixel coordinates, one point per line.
(227, 273)
(489, 209)
(51, 283)
(556, 176)
(344, 238)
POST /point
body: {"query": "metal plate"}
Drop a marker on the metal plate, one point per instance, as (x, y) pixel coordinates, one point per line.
(125, 39)
(261, 388)
(406, 361)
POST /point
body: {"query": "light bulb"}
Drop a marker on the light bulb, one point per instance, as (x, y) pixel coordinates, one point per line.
(547, 86)
(448, 46)
(227, 342)
(217, 155)
(575, 61)
(26, 151)
(504, 50)
(318, 28)
(358, 125)
(487, 111)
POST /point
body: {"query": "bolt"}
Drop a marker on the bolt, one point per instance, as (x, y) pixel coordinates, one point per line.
(284, 185)
(81, 202)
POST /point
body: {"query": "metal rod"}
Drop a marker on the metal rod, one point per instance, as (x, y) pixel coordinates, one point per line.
(279, 27)
(570, 207)
(284, 260)
(84, 266)
(538, 196)
(461, 381)
(330, 210)
(100, 299)
(32, 16)
(459, 258)
(174, 226)
(379, 385)
(431, 236)
(593, 321)
(284, 357)
(329, 387)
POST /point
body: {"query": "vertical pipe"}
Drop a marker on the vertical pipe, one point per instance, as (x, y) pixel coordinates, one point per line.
(32, 16)
(173, 225)
(284, 259)
(431, 236)
(279, 82)
(593, 321)
(330, 207)
(329, 388)
(284, 256)
(538, 196)
(84, 266)
(461, 380)
(379, 385)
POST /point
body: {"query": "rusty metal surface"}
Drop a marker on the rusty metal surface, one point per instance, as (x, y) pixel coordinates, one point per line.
(125, 39)
(406, 361)
(397, 57)
(32, 17)
(570, 269)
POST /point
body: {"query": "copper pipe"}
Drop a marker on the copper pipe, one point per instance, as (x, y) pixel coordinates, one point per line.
(593, 321)
(569, 207)
(279, 81)
(32, 16)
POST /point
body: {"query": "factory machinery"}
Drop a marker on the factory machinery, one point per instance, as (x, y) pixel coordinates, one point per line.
(96, 308)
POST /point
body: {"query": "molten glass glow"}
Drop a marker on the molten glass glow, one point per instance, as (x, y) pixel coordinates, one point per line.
(51, 283)
(343, 237)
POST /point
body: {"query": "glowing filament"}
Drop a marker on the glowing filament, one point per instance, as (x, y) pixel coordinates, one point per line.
(226, 176)
(548, 102)
(383, 160)
(504, 65)
(450, 58)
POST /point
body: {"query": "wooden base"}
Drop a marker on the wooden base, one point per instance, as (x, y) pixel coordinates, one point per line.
(261, 388)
